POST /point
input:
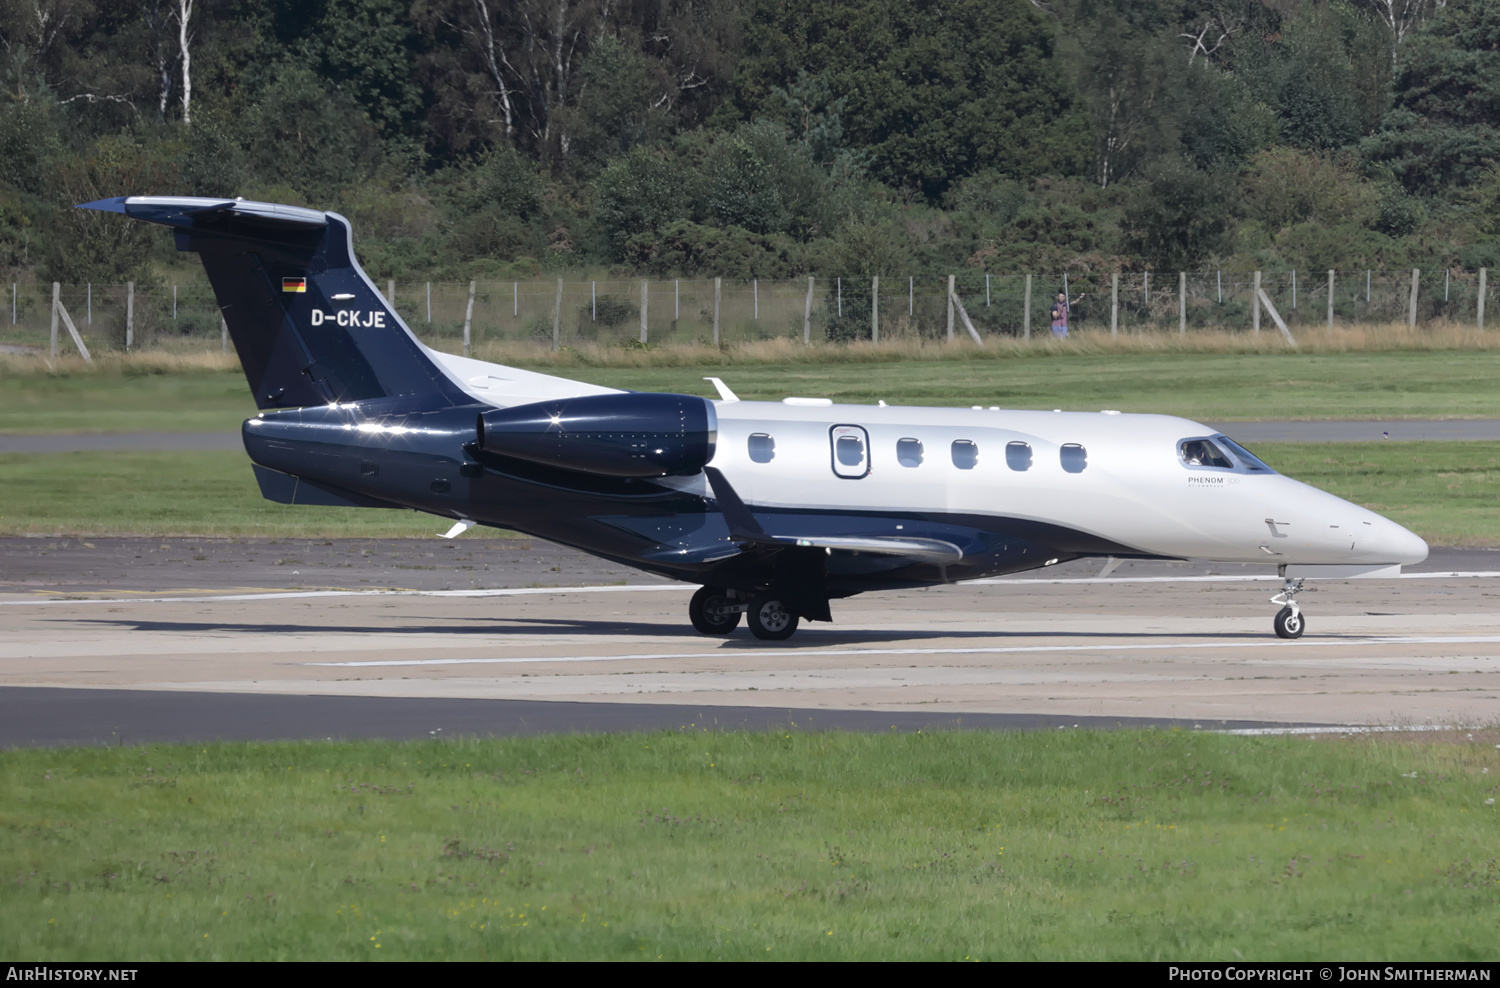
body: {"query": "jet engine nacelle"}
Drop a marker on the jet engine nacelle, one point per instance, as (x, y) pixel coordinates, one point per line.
(639, 434)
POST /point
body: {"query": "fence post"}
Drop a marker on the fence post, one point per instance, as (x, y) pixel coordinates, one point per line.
(429, 303)
(950, 308)
(1026, 311)
(1481, 300)
(59, 312)
(718, 288)
(1114, 305)
(129, 315)
(1255, 299)
(223, 334)
(645, 289)
(1411, 313)
(807, 313)
(469, 318)
(390, 292)
(1182, 303)
(875, 309)
(556, 318)
(1330, 298)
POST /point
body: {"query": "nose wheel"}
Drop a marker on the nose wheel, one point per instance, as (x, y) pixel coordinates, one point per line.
(1289, 622)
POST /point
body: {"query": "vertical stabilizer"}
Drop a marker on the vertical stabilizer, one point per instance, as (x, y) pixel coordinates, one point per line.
(308, 324)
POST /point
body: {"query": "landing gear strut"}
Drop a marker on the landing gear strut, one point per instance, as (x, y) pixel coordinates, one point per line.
(1289, 622)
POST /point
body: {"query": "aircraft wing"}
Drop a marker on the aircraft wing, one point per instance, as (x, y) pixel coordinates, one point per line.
(926, 550)
(745, 529)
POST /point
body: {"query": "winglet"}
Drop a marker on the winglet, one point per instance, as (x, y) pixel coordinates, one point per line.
(724, 393)
(742, 524)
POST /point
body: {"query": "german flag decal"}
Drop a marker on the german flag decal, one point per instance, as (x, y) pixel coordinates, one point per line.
(294, 284)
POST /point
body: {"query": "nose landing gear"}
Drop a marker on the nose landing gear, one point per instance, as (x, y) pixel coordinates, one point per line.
(1289, 622)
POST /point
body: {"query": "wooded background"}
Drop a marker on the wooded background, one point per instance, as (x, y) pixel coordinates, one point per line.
(505, 139)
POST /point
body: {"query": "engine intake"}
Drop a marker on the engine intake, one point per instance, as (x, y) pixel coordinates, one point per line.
(640, 434)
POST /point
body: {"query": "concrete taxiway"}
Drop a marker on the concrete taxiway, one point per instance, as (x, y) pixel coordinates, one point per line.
(1153, 642)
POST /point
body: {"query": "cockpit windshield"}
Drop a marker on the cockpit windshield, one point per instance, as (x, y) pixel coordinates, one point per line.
(1247, 459)
(1203, 453)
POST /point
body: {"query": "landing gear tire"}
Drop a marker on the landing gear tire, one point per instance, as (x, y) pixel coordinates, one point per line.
(1289, 623)
(771, 619)
(710, 614)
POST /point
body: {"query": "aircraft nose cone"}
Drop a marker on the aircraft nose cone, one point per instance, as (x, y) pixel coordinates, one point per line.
(1399, 545)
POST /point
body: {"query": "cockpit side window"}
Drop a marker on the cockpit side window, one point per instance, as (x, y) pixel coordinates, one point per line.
(1247, 459)
(1203, 453)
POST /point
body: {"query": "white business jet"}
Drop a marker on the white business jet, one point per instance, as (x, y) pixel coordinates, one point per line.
(773, 508)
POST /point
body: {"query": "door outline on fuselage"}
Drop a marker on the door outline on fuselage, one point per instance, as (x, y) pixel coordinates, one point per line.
(841, 468)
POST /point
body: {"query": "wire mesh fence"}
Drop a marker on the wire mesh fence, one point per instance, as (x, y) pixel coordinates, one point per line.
(635, 312)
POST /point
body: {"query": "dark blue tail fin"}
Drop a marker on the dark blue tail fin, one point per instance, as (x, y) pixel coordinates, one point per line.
(309, 325)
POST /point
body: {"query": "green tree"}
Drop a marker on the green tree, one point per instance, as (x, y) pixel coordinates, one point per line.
(641, 192)
(305, 136)
(367, 48)
(934, 91)
(1177, 217)
(617, 108)
(1444, 127)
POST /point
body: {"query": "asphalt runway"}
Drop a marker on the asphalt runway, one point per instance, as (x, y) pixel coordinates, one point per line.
(1394, 430)
(107, 641)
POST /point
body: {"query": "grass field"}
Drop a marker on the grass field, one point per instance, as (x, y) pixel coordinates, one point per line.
(1445, 492)
(206, 393)
(694, 845)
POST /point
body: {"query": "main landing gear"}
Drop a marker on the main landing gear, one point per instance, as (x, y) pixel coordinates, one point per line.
(715, 611)
(1289, 622)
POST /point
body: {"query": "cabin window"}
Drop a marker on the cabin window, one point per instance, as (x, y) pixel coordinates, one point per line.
(851, 458)
(1018, 456)
(1203, 453)
(909, 452)
(1074, 457)
(762, 447)
(965, 454)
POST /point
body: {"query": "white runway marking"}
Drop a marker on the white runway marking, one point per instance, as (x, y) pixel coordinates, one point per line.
(997, 650)
(297, 594)
(522, 591)
(1259, 732)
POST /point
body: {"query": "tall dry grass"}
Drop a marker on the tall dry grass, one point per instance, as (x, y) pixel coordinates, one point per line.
(1366, 338)
(1385, 337)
